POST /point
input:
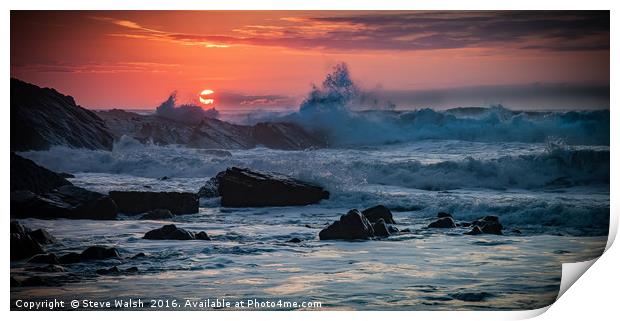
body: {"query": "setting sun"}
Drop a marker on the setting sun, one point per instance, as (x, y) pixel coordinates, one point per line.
(206, 97)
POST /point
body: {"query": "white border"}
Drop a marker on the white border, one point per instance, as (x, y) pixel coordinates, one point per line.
(594, 295)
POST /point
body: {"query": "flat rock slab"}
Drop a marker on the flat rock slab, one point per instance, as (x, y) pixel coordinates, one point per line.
(136, 202)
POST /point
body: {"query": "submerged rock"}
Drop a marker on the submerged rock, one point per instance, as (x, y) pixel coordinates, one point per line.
(445, 222)
(474, 231)
(171, 232)
(241, 187)
(350, 226)
(99, 253)
(294, 240)
(375, 213)
(136, 202)
(158, 214)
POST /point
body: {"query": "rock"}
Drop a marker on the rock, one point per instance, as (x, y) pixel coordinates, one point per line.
(158, 214)
(67, 201)
(202, 236)
(112, 270)
(50, 258)
(489, 225)
(171, 232)
(42, 236)
(164, 178)
(42, 117)
(474, 231)
(375, 213)
(407, 230)
(464, 224)
(350, 226)
(516, 231)
(381, 229)
(136, 202)
(209, 189)
(23, 245)
(446, 222)
(52, 268)
(70, 258)
(139, 255)
(38, 281)
(15, 282)
(99, 253)
(66, 175)
(444, 214)
(26, 175)
(392, 229)
(132, 269)
(294, 240)
(241, 187)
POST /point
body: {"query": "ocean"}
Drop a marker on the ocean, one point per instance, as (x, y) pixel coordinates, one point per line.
(544, 174)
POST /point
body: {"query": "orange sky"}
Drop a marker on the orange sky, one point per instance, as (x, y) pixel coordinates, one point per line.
(134, 59)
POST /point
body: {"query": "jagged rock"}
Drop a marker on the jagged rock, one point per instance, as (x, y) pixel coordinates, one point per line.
(350, 226)
(489, 225)
(474, 231)
(158, 214)
(136, 202)
(23, 246)
(446, 222)
(381, 229)
(42, 236)
(50, 258)
(42, 117)
(26, 175)
(241, 187)
(444, 214)
(171, 232)
(67, 201)
(210, 188)
(15, 282)
(375, 213)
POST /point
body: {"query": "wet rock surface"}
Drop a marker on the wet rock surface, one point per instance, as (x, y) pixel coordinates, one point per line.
(137, 202)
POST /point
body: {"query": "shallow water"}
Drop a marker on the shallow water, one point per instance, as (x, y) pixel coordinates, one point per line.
(557, 198)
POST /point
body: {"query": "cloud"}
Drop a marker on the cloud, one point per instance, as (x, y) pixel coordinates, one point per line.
(406, 31)
(96, 68)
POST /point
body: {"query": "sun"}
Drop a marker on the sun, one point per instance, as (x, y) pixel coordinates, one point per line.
(206, 97)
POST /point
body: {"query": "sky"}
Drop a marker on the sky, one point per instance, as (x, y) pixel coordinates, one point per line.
(263, 59)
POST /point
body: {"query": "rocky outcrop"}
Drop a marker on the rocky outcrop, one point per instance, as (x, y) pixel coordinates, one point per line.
(28, 176)
(136, 202)
(41, 193)
(351, 226)
(241, 187)
(23, 245)
(208, 133)
(90, 254)
(489, 225)
(171, 232)
(378, 212)
(444, 222)
(67, 201)
(42, 117)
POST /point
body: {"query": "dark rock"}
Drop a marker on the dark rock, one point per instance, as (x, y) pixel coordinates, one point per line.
(169, 232)
(165, 178)
(38, 281)
(210, 188)
(112, 270)
(464, 224)
(132, 269)
(42, 117)
(446, 222)
(474, 231)
(158, 214)
(99, 253)
(66, 175)
(381, 229)
(444, 214)
(26, 175)
(136, 202)
(23, 245)
(375, 213)
(489, 225)
(294, 240)
(15, 282)
(406, 230)
(472, 296)
(392, 229)
(516, 231)
(50, 258)
(70, 258)
(51, 268)
(352, 225)
(139, 255)
(202, 236)
(42, 236)
(67, 201)
(241, 187)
